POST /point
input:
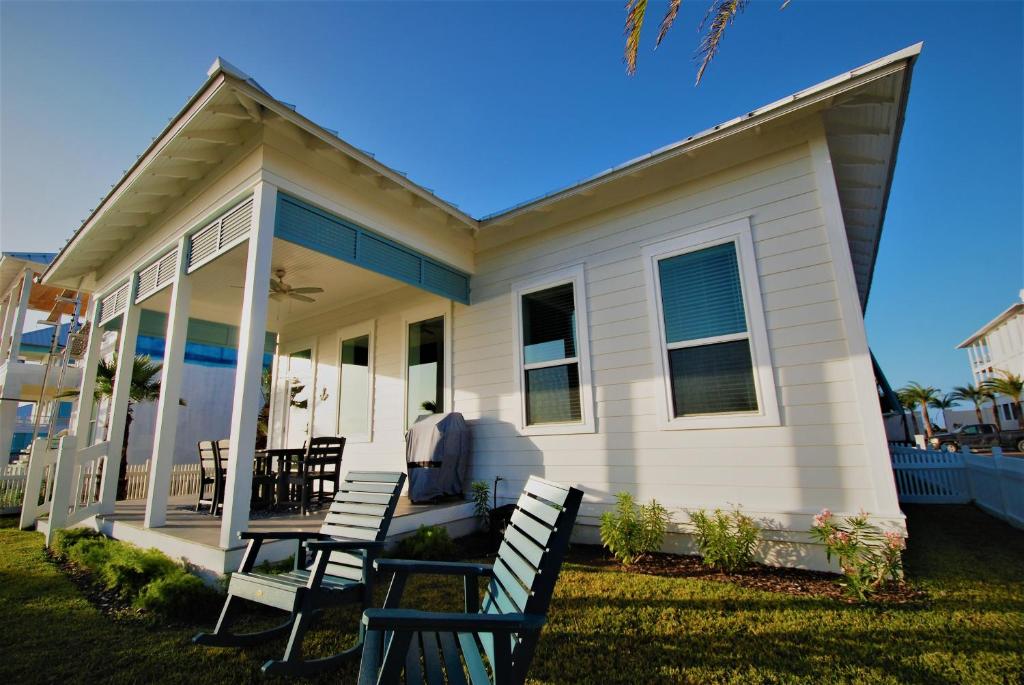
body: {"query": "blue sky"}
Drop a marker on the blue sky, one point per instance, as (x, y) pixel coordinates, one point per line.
(491, 104)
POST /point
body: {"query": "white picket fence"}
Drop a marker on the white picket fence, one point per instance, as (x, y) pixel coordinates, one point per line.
(12, 487)
(184, 480)
(995, 483)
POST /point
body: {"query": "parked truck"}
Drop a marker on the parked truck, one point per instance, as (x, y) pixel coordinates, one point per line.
(978, 436)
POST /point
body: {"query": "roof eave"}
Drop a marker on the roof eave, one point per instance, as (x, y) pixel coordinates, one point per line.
(983, 331)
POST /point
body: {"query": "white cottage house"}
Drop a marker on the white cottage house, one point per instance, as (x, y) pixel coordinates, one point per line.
(687, 326)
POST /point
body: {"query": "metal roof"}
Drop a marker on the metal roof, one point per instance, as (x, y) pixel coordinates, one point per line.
(198, 136)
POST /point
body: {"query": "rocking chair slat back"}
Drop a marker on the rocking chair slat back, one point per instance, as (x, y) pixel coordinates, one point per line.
(346, 519)
(530, 557)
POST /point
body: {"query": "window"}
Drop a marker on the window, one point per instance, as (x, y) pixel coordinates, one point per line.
(425, 374)
(552, 359)
(708, 330)
(355, 384)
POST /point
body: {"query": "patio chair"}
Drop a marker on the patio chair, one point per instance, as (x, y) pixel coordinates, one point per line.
(341, 572)
(321, 464)
(403, 645)
(211, 476)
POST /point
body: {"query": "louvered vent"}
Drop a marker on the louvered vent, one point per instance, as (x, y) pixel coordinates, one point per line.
(156, 276)
(147, 282)
(235, 224)
(203, 246)
(227, 231)
(113, 304)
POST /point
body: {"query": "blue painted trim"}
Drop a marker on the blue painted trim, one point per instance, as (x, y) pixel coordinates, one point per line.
(311, 227)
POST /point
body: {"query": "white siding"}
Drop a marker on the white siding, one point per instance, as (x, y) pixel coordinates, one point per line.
(817, 458)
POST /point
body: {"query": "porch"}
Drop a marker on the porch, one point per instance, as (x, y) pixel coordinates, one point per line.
(196, 536)
(311, 362)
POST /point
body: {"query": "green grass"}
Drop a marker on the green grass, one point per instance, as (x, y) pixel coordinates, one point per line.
(605, 625)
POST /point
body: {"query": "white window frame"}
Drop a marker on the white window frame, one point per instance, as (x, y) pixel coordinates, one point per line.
(369, 329)
(573, 275)
(738, 232)
(415, 315)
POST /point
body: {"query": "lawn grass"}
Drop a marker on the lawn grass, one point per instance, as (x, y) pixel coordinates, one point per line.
(606, 625)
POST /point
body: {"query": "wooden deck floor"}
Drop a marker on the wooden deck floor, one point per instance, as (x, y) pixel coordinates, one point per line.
(185, 523)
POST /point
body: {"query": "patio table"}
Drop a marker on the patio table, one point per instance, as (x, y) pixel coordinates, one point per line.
(281, 461)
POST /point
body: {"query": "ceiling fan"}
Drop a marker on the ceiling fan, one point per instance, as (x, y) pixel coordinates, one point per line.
(280, 290)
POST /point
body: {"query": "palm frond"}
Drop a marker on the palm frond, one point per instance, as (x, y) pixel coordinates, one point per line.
(635, 12)
(720, 14)
(666, 23)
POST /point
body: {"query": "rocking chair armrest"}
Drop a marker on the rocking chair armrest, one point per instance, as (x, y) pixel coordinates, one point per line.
(409, 619)
(329, 545)
(447, 568)
(280, 535)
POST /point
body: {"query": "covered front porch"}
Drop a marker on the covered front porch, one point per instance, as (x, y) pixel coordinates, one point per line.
(336, 331)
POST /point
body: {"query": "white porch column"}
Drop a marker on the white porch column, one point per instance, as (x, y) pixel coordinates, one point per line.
(8, 418)
(170, 389)
(7, 321)
(119, 402)
(82, 416)
(12, 339)
(251, 336)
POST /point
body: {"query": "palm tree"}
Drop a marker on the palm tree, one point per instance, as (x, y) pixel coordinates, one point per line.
(993, 397)
(719, 15)
(972, 393)
(921, 395)
(942, 403)
(908, 405)
(145, 387)
(1011, 385)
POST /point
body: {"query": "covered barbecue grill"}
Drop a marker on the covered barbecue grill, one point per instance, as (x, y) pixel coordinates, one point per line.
(437, 449)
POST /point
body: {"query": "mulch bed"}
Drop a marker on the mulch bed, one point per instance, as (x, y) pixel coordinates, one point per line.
(789, 581)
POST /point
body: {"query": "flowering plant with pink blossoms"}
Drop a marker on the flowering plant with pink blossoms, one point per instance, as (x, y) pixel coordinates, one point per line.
(868, 557)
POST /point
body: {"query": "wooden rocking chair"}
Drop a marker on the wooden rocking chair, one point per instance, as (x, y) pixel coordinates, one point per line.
(349, 541)
(406, 646)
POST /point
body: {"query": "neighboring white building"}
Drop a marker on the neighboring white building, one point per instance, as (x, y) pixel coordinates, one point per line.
(997, 346)
(687, 326)
(29, 374)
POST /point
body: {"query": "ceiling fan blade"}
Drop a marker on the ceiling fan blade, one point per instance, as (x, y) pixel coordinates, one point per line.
(300, 298)
(307, 290)
(275, 296)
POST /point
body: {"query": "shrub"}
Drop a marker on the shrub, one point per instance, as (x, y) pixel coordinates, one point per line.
(177, 594)
(726, 540)
(90, 553)
(868, 557)
(69, 537)
(147, 578)
(429, 543)
(630, 531)
(482, 502)
(129, 569)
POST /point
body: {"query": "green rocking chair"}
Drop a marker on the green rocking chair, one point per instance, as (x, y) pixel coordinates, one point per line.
(491, 645)
(341, 572)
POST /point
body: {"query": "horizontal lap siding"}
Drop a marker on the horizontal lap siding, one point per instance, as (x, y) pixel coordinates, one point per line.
(815, 459)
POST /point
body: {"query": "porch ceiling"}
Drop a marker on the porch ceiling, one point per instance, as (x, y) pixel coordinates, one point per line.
(217, 291)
